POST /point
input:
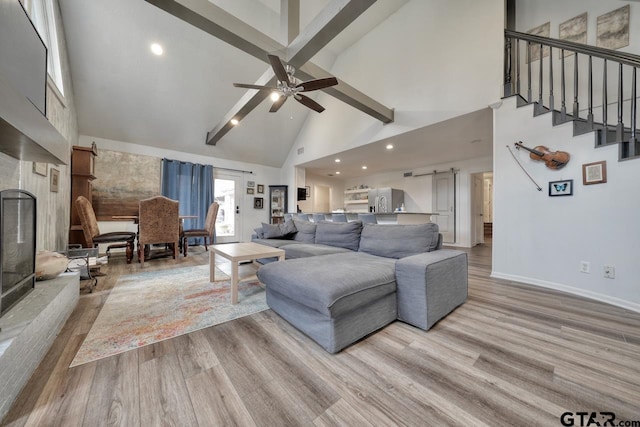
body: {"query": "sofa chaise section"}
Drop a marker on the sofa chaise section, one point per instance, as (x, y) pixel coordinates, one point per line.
(335, 299)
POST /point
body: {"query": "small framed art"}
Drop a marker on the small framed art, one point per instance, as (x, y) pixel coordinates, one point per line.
(251, 184)
(561, 188)
(260, 189)
(40, 168)
(251, 190)
(55, 180)
(594, 173)
(258, 203)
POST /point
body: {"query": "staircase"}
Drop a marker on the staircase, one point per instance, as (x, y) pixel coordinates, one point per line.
(536, 64)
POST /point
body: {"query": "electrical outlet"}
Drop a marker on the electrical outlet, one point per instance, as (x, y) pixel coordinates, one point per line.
(585, 267)
(609, 272)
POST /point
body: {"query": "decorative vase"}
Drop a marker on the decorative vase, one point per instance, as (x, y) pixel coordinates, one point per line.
(49, 264)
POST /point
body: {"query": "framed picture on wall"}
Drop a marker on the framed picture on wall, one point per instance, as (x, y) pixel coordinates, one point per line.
(251, 190)
(40, 168)
(251, 184)
(260, 188)
(258, 203)
(55, 180)
(594, 173)
(561, 188)
(307, 189)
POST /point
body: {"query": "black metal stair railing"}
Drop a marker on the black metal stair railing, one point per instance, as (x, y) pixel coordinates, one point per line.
(593, 118)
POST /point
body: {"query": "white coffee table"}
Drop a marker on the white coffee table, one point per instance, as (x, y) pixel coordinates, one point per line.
(237, 252)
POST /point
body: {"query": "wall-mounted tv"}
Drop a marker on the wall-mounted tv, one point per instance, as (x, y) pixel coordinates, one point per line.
(23, 55)
(302, 194)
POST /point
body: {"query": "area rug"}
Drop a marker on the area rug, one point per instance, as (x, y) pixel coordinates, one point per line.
(145, 308)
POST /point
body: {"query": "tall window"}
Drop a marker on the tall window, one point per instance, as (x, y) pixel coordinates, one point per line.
(44, 18)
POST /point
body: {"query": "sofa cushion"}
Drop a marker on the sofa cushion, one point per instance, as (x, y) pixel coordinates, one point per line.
(278, 231)
(398, 241)
(332, 284)
(303, 250)
(306, 231)
(340, 234)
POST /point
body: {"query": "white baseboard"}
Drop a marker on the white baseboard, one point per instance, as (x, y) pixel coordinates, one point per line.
(569, 289)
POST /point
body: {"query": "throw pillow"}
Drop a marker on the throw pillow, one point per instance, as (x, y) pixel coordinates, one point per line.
(288, 229)
(271, 231)
(259, 232)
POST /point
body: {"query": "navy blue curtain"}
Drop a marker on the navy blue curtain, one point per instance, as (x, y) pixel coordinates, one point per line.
(192, 185)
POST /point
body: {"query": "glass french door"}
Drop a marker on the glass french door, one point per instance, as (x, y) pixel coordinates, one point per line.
(227, 192)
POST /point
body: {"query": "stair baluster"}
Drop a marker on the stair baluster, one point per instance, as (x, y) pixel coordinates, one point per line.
(633, 142)
(620, 126)
(551, 103)
(508, 88)
(590, 114)
(563, 106)
(529, 97)
(576, 109)
(605, 106)
(517, 66)
(539, 107)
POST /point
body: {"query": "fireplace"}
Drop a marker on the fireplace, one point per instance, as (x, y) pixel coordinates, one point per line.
(17, 246)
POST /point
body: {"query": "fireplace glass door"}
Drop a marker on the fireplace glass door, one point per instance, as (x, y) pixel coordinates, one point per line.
(17, 246)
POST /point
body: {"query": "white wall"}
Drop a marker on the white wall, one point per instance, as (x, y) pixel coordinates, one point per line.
(418, 62)
(542, 240)
(251, 218)
(337, 193)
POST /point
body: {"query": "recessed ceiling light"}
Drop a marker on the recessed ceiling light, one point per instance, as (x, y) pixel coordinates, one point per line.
(234, 122)
(157, 49)
(337, 160)
(364, 167)
(337, 172)
(275, 96)
(389, 146)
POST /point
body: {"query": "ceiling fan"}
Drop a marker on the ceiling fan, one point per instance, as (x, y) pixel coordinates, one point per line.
(290, 86)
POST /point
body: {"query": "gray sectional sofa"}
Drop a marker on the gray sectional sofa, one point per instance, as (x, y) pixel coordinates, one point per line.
(342, 281)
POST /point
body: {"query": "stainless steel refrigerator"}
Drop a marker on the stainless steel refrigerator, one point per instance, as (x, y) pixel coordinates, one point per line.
(385, 200)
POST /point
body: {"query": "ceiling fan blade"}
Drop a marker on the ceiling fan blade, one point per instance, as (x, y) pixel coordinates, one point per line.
(278, 69)
(318, 84)
(253, 86)
(308, 102)
(276, 105)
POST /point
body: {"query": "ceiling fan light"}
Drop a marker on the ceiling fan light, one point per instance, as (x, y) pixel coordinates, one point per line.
(275, 96)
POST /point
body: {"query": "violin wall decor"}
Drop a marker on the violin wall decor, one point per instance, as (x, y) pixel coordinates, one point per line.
(552, 159)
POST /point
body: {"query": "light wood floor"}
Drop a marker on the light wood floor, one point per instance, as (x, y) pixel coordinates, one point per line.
(512, 355)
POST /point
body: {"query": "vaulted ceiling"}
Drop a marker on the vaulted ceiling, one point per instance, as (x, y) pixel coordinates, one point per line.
(124, 92)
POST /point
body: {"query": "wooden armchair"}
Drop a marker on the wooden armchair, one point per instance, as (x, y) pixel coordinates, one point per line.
(92, 233)
(208, 232)
(158, 223)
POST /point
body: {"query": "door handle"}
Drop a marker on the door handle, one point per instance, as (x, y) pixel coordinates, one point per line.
(237, 209)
